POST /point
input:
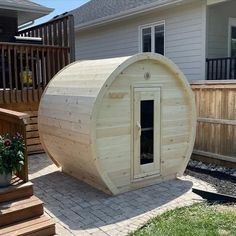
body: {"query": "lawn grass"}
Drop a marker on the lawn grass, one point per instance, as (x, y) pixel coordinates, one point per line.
(196, 220)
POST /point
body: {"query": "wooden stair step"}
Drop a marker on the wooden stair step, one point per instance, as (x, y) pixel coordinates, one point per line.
(38, 226)
(20, 209)
(17, 190)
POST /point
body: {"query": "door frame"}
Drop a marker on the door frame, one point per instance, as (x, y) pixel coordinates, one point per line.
(155, 173)
(232, 22)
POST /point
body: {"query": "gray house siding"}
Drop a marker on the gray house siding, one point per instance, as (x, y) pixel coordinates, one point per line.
(217, 28)
(185, 28)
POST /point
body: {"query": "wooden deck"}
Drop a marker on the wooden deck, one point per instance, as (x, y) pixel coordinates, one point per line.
(26, 69)
(57, 32)
(22, 213)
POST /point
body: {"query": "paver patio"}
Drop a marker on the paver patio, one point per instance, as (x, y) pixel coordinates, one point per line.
(79, 209)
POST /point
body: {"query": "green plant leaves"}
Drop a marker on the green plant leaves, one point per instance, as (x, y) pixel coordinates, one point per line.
(11, 153)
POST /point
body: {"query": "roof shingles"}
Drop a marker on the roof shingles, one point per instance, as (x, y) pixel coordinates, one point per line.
(99, 9)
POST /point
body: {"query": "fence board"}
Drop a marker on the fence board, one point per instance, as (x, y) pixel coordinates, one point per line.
(216, 129)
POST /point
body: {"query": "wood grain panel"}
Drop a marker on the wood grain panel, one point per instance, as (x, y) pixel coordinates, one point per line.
(216, 111)
(86, 120)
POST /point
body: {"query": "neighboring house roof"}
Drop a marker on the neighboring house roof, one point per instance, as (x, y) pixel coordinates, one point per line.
(21, 3)
(25, 10)
(96, 11)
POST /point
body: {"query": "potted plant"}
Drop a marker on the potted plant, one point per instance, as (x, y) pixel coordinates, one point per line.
(11, 157)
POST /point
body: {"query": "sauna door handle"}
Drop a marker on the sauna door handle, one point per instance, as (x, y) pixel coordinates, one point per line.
(139, 128)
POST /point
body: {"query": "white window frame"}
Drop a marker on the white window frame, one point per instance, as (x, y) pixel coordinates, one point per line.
(152, 26)
(232, 22)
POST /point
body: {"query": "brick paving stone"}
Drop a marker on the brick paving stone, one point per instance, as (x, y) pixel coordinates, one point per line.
(113, 232)
(79, 209)
(60, 230)
(109, 227)
(93, 230)
(99, 233)
(80, 233)
(98, 223)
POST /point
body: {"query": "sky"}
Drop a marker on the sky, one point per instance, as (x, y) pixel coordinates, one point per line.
(60, 7)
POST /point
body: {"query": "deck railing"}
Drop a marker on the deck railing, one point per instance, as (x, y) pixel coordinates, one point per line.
(221, 68)
(12, 122)
(26, 69)
(57, 32)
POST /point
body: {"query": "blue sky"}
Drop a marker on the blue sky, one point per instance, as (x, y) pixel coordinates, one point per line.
(60, 7)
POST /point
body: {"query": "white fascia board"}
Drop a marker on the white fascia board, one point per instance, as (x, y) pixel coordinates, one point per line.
(20, 7)
(212, 2)
(127, 14)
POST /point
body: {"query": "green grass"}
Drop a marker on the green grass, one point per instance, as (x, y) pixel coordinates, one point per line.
(196, 220)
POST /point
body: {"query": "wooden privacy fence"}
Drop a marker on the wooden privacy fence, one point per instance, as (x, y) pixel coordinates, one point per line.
(12, 122)
(216, 129)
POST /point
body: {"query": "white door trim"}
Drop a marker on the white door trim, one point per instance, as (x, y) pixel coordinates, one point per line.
(152, 169)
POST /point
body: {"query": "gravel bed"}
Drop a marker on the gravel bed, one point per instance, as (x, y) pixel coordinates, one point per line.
(223, 179)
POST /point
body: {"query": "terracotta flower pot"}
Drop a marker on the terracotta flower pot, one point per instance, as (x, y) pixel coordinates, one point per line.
(5, 180)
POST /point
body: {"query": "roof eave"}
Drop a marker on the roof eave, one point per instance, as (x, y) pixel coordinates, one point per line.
(36, 9)
(127, 14)
(214, 2)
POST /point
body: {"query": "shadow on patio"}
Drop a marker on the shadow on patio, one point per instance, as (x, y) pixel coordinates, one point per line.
(38, 162)
(80, 206)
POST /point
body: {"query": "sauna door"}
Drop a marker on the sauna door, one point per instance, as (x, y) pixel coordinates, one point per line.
(146, 132)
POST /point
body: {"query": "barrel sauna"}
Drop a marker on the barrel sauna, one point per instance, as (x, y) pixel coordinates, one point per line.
(119, 124)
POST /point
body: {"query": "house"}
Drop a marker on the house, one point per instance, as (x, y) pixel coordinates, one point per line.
(15, 13)
(198, 35)
(30, 57)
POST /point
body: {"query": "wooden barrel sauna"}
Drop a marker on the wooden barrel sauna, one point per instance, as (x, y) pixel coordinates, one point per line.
(119, 124)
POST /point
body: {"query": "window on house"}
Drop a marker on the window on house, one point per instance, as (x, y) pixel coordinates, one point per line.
(233, 41)
(153, 38)
(147, 40)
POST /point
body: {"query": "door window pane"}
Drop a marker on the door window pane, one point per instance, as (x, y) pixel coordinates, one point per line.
(159, 39)
(147, 39)
(147, 129)
(233, 42)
